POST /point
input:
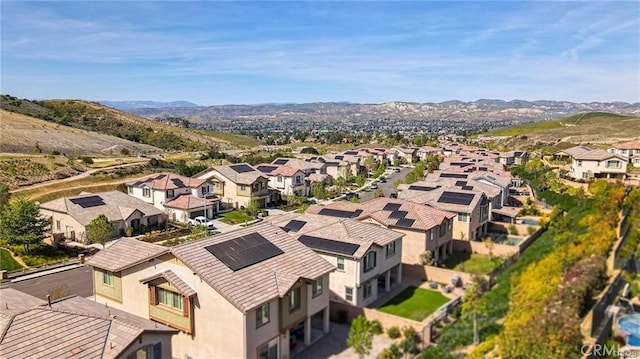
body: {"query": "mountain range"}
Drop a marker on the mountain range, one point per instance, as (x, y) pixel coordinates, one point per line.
(128, 105)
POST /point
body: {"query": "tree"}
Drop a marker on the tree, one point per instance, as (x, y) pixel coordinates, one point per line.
(489, 244)
(378, 193)
(319, 191)
(100, 230)
(397, 183)
(310, 150)
(360, 337)
(4, 195)
(360, 180)
(252, 208)
(341, 182)
(472, 303)
(370, 163)
(21, 223)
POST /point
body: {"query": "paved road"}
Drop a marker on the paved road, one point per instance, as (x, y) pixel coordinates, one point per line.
(75, 281)
(387, 187)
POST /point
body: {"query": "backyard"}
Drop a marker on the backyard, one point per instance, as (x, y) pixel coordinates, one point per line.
(414, 303)
(7, 262)
(235, 217)
(472, 263)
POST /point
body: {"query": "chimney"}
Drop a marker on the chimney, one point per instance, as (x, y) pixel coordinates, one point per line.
(49, 300)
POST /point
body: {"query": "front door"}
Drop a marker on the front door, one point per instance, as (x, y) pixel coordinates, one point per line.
(135, 224)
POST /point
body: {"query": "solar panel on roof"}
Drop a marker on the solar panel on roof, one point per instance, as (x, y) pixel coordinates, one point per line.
(332, 163)
(87, 202)
(339, 157)
(338, 213)
(398, 214)
(392, 206)
(244, 251)
(423, 188)
(329, 245)
(483, 169)
(357, 212)
(177, 182)
(241, 168)
(456, 198)
(467, 188)
(351, 153)
(266, 169)
(461, 183)
(161, 176)
(453, 175)
(404, 222)
(294, 225)
(280, 161)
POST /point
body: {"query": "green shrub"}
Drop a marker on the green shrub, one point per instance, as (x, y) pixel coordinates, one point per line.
(513, 229)
(376, 327)
(86, 160)
(393, 332)
(392, 352)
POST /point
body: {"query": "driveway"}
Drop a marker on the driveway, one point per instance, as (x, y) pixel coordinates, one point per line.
(334, 345)
(386, 187)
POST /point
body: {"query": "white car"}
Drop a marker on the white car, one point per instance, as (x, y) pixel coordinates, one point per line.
(201, 221)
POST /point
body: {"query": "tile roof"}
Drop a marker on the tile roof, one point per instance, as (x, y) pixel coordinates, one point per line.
(431, 198)
(175, 280)
(189, 201)
(165, 181)
(125, 253)
(574, 151)
(278, 170)
(248, 177)
(629, 145)
(301, 164)
(117, 206)
(70, 328)
(251, 286)
(597, 155)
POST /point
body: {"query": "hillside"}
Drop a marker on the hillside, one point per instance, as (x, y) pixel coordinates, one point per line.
(592, 127)
(94, 117)
(25, 134)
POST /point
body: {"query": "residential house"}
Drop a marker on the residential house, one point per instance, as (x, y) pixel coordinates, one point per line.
(425, 151)
(287, 180)
(629, 149)
(70, 215)
(587, 163)
(180, 197)
(242, 184)
(250, 293)
(76, 327)
(367, 256)
(408, 155)
(307, 166)
(513, 158)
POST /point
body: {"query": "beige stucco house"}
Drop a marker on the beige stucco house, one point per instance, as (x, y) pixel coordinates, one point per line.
(629, 149)
(76, 327)
(286, 180)
(241, 183)
(249, 293)
(587, 163)
(70, 215)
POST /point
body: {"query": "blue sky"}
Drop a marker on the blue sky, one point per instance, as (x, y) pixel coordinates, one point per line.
(369, 52)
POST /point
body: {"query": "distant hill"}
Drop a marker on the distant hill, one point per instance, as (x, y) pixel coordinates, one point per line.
(482, 110)
(90, 116)
(591, 127)
(128, 105)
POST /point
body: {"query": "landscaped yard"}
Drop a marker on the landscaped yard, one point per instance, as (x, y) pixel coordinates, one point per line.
(414, 303)
(472, 263)
(7, 262)
(235, 217)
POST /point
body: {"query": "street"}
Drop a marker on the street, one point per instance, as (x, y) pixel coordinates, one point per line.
(75, 281)
(387, 187)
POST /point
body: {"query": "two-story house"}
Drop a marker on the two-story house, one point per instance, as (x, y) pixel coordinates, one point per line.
(629, 149)
(180, 197)
(250, 293)
(587, 164)
(408, 155)
(70, 216)
(367, 256)
(287, 180)
(242, 184)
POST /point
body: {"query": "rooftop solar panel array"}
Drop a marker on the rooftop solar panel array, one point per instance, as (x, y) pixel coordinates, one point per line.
(338, 213)
(294, 225)
(392, 206)
(423, 188)
(87, 202)
(339, 157)
(177, 182)
(280, 161)
(404, 222)
(351, 153)
(329, 245)
(244, 251)
(453, 175)
(266, 169)
(467, 188)
(398, 214)
(456, 198)
(461, 183)
(241, 168)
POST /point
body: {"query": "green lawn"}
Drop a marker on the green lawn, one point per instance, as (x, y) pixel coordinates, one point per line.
(472, 263)
(7, 262)
(235, 217)
(414, 303)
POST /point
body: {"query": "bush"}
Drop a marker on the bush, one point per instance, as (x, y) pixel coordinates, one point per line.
(393, 332)
(392, 352)
(376, 327)
(531, 230)
(86, 160)
(513, 229)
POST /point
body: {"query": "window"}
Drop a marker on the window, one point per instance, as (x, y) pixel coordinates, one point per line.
(340, 263)
(369, 261)
(151, 351)
(391, 249)
(205, 189)
(146, 192)
(348, 294)
(130, 189)
(366, 289)
(243, 187)
(170, 193)
(442, 228)
(107, 278)
(268, 350)
(298, 180)
(58, 224)
(463, 217)
(613, 164)
(579, 163)
(317, 287)
(279, 178)
(262, 315)
(294, 299)
(169, 299)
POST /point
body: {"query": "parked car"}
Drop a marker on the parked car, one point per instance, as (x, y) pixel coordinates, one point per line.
(374, 186)
(396, 169)
(393, 195)
(350, 195)
(383, 179)
(201, 221)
